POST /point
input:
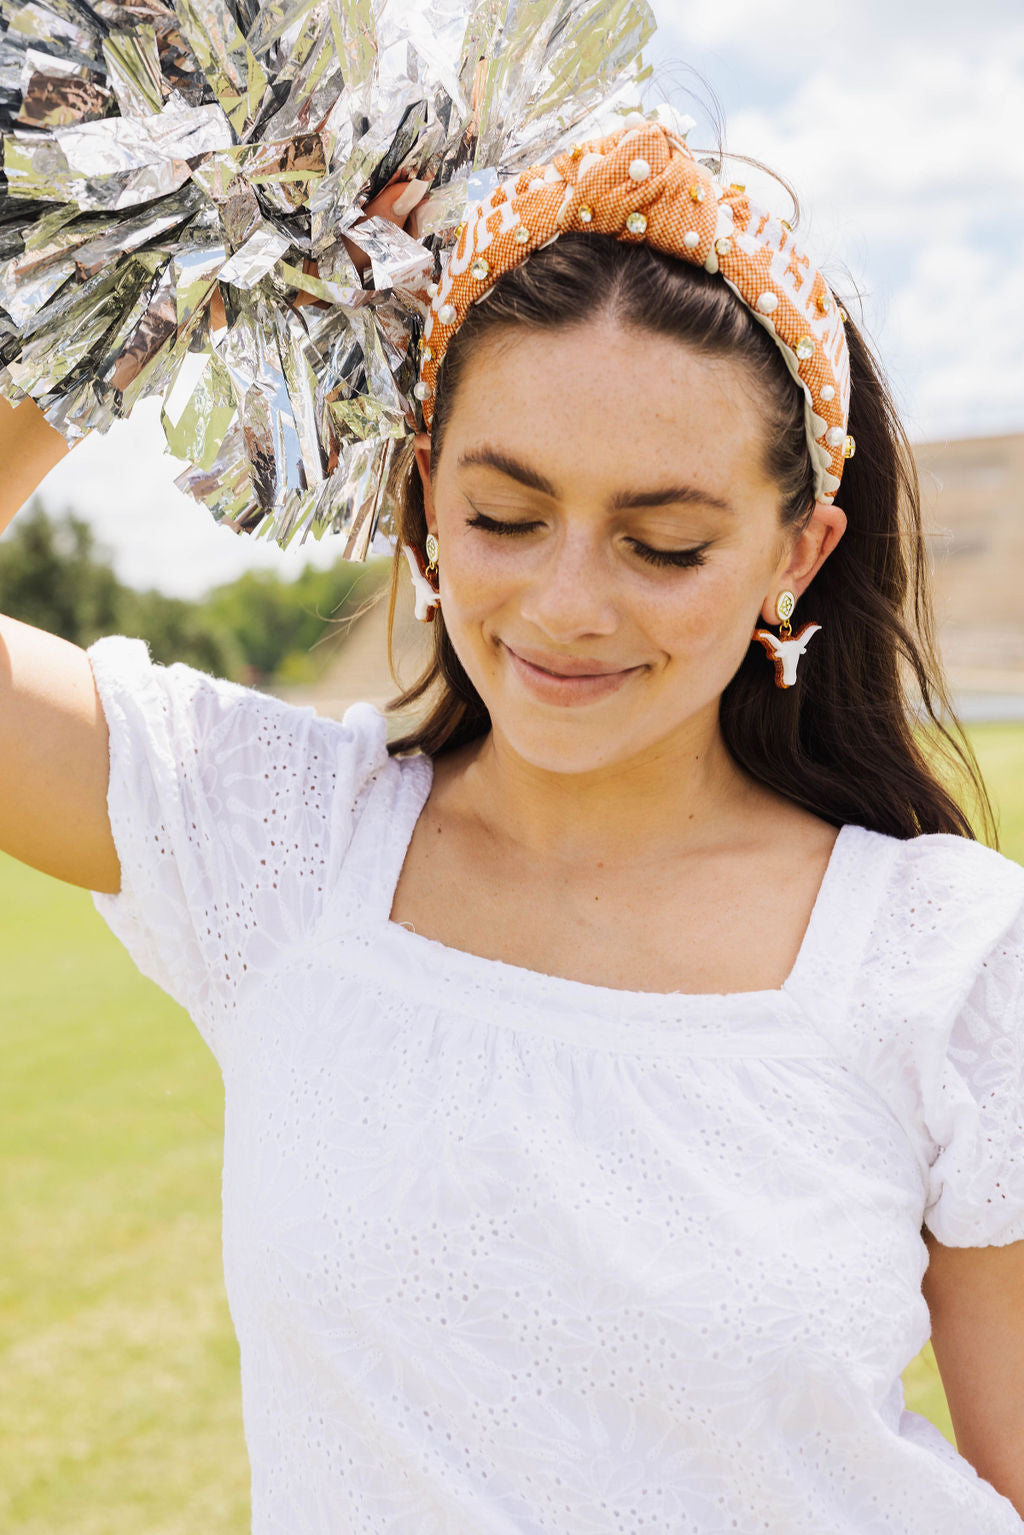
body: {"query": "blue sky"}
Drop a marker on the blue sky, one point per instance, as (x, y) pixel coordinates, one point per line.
(901, 126)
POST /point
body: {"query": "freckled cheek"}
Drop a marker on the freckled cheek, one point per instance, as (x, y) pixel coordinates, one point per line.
(478, 581)
(681, 617)
(700, 621)
(477, 595)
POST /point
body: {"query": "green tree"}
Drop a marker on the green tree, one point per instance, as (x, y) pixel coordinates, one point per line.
(256, 629)
(176, 630)
(279, 625)
(54, 575)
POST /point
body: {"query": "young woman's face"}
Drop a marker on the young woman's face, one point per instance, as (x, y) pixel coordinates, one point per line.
(608, 542)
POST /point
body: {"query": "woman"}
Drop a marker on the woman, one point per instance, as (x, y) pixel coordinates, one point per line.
(623, 1069)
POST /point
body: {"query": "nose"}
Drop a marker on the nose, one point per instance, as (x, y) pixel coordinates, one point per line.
(569, 593)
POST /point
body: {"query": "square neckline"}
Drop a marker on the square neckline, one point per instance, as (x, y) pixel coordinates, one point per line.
(446, 963)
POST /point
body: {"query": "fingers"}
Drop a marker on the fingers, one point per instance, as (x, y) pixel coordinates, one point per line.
(413, 194)
(397, 200)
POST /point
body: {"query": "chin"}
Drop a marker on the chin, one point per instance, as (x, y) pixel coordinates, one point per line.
(546, 756)
(571, 745)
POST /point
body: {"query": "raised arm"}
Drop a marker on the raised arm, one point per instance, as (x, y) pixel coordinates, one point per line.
(29, 448)
(54, 758)
(54, 747)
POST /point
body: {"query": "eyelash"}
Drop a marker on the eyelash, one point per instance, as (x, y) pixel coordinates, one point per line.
(680, 558)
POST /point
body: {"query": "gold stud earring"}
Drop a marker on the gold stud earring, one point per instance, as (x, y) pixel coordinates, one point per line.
(433, 550)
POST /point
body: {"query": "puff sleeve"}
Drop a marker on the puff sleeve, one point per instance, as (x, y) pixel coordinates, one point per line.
(231, 812)
(974, 1097)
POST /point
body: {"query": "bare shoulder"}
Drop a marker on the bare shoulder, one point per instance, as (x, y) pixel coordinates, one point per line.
(777, 828)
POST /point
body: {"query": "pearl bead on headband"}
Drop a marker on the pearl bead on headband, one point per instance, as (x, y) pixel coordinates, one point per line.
(642, 185)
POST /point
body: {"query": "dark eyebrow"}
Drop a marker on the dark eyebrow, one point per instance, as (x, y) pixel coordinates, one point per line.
(625, 500)
(672, 495)
(490, 458)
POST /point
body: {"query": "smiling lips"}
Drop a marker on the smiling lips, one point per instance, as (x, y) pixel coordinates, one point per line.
(565, 680)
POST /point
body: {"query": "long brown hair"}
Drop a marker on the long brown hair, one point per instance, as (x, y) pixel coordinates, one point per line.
(844, 742)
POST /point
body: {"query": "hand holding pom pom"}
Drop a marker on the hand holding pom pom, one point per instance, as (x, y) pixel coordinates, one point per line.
(220, 188)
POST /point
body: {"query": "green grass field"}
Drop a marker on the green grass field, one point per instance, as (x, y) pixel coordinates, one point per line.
(119, 1413)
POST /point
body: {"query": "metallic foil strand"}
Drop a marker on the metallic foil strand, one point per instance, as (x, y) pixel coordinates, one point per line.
(133, 69)
(182, 216)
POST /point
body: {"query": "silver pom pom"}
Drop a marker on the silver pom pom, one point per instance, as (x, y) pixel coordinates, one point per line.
(186, 192)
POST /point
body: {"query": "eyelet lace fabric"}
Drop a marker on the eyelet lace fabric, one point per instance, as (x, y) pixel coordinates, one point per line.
(509, 1253)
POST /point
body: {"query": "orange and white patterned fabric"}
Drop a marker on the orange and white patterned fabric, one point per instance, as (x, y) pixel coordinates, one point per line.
(642, 185)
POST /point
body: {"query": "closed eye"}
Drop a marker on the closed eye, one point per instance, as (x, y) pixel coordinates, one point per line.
(492, 525)
(677, 557)
(660, 557)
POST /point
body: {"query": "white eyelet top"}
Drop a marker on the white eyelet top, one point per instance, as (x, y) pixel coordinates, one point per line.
(511, 1254)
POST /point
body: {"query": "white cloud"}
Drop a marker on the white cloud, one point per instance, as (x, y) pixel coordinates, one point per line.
(901, 142)
(752, 24)
(901, 129)
(784, 36)
(952, 316)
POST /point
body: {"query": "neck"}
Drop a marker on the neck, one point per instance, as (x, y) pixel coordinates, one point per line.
(684, 794)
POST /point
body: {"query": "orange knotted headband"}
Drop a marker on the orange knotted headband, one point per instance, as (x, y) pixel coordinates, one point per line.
(641, 184)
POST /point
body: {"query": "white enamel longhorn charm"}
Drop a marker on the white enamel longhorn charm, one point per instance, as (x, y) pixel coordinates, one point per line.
(426, 597)
(786, 653)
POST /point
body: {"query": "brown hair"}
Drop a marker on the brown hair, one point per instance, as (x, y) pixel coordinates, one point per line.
(843, 741)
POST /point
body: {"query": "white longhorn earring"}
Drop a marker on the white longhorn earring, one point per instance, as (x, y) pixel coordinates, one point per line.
(427, 596)
(785, 648)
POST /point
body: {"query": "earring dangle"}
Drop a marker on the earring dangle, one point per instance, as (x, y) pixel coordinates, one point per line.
(423, 576)
(785, 648)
